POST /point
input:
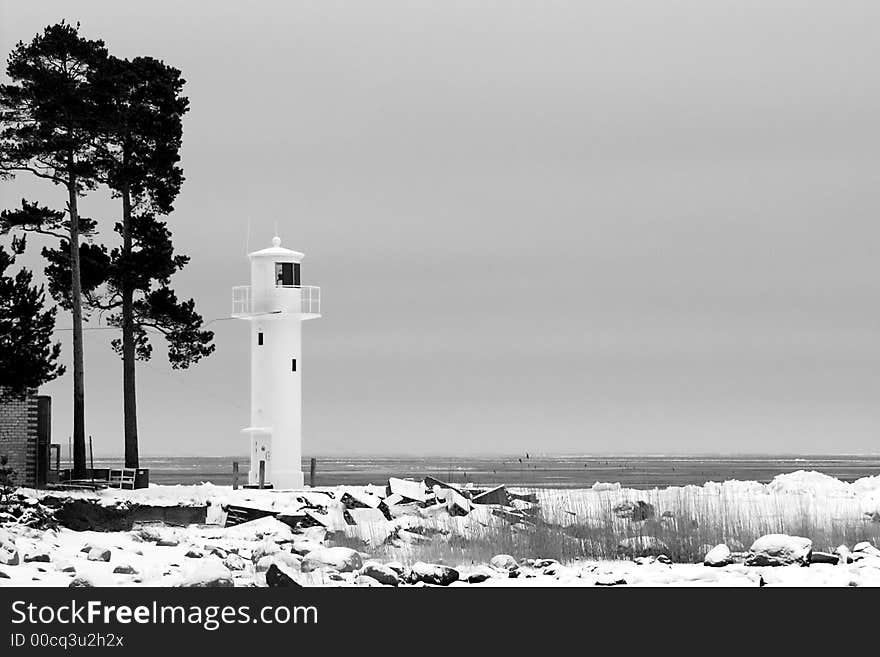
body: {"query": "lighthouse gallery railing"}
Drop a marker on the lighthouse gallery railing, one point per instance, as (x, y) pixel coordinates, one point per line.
(243, 300)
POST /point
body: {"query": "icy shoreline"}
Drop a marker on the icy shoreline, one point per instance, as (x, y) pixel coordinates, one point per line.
(401, 533)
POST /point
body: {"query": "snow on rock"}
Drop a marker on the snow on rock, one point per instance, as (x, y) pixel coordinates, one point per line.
(304, 546)
(204, 573)
(381, 573)
(98, 554)
(268, 527)
(8, 552)
(865, 549)
(342, 559)
(780, 550)
(504, 563)
(717, 556)
(432, 573)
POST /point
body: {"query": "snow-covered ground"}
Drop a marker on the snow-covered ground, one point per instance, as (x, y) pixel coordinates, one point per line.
(353, 543)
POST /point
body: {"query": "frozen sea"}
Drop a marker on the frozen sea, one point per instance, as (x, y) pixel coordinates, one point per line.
(532, 470)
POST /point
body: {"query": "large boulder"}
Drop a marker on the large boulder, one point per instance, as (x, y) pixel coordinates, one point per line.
(780, 550)
(718, 556)
(432, 573)
(381, 573)
(504, 563)
(642, 546)
(343, 559)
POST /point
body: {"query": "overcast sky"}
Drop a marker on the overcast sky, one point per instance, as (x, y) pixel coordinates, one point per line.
(597, 226)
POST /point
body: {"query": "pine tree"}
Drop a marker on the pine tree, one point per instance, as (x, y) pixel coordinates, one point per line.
(50, 124)
(28, 356)
(141, 108)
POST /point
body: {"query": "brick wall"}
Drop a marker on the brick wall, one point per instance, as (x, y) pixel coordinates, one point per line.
(18, 437)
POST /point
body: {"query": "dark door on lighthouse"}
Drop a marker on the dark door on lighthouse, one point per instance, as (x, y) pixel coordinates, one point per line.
(287, 274)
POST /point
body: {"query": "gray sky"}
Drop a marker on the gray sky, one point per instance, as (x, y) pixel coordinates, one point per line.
(616, 226)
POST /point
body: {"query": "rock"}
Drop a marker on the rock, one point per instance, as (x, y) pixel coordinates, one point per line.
(780, 550)
(216, 551)
(408, 489)
(99, 554)
(124, 569)
(635, 511)
(206, 574)
(275, 578)
(824, 557)
(431, 573)
(476, 578)
(642, 546)
(497, 495)
(610, 579)
(4, 575)
(9, 557)
(381, 573)
(80, 583)
(503, 562)
(865, 549)
(65, 567)
(342, 559)
(364, 580)
(235, 562)
(167, 542)
(38, 558)
(304, 546)
(843, 554)
(284, 559)
(718, 556)
(397, 567)
(194, 554)
(368, 517)
(263, 549)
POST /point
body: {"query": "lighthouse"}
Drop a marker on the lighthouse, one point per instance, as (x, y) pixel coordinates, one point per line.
(276, 304)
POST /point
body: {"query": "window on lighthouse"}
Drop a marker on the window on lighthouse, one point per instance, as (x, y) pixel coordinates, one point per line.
(287, 274)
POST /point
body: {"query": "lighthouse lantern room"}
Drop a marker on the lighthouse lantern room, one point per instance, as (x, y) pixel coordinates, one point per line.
(275, 304)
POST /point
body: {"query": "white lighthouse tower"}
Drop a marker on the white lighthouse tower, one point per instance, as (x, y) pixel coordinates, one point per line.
(276, 304)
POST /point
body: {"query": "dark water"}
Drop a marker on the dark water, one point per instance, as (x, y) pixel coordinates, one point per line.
(543, 471)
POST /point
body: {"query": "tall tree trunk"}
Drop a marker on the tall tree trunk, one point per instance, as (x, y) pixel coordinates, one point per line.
(79, 394)
(129, 395)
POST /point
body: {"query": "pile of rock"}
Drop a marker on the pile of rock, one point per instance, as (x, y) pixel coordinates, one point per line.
(785, 550)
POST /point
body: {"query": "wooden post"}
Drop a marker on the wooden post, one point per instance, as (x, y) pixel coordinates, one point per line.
(91, 459)
(235, 475)
(262, 474)
(312, 467)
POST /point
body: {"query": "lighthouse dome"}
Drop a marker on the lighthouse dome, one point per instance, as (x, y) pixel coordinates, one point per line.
(277, 251)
